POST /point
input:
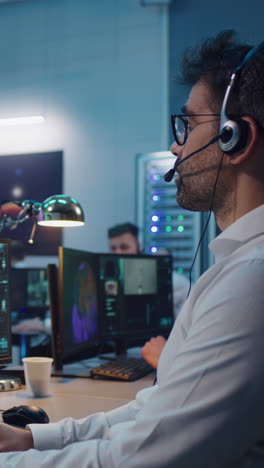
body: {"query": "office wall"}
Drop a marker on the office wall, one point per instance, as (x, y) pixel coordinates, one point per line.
(191, 21)
(96, 69)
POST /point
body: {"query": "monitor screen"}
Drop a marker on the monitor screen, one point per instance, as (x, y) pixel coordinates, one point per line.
(135, 296)
(140, 276)
(29, 293)
(5, 317)
(78, 303)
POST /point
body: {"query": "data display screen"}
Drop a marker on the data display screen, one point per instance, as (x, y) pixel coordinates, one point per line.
(5, 315)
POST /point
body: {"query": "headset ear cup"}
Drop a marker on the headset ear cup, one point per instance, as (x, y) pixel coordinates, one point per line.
(234, 136)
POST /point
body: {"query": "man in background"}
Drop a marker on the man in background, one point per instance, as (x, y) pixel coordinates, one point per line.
(123, 239)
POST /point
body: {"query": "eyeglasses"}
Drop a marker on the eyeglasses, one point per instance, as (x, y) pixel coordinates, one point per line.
(181, 127)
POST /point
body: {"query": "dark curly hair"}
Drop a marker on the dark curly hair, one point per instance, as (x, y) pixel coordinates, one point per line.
(214, 60)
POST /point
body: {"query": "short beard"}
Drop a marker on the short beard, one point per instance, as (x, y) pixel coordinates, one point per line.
(210, 198)
(193, 202)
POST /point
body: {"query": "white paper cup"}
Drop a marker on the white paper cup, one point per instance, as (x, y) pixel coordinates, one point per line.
(37, 372)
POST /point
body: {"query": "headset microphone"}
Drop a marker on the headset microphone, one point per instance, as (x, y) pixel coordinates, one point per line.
(169, 175)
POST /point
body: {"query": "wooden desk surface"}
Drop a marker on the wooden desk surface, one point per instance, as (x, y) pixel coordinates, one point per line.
(78, 397)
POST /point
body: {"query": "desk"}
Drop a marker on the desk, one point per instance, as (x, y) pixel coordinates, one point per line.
(78, 397)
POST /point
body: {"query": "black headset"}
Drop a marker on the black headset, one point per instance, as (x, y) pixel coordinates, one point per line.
(234, 132)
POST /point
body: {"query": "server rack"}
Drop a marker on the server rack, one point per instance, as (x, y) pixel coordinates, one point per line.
(164, 225)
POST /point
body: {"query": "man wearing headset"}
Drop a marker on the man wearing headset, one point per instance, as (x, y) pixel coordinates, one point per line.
(207, 408)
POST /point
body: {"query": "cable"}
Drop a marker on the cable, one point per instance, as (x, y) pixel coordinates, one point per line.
(206, 225)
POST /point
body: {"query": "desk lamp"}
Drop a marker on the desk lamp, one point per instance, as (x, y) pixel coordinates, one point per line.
(55, 211)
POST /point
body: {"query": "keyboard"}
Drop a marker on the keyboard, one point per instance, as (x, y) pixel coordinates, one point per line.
(126, 369)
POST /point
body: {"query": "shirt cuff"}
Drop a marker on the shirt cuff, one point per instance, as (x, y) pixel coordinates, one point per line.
(46, 436)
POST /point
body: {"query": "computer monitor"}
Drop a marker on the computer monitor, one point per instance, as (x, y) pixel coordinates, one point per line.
(5, 314)
(8, 380)
(135, 298)
(106, 297)
(77, 328)
(29, 293)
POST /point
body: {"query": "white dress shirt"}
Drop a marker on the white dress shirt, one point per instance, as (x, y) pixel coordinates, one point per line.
(207, 410)
(180, 289)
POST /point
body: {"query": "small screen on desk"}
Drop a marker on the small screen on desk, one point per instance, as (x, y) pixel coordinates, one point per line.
(29, 292)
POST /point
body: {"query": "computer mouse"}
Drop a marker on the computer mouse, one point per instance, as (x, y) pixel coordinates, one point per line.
(23, 415)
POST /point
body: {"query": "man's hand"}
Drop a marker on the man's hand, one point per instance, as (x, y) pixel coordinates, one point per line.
(14, 439)
(151, 350)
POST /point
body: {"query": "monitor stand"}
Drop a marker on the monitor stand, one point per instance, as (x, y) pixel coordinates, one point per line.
(79, 369)
(120, 347)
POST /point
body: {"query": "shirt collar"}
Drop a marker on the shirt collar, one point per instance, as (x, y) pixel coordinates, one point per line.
(241, 231)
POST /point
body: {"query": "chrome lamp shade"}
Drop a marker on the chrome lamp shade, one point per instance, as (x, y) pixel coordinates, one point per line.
(60, 211)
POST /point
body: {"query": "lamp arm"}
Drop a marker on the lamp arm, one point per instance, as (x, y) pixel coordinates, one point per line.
(29, 208)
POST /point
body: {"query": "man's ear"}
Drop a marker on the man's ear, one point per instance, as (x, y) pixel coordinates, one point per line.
(251, 144)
